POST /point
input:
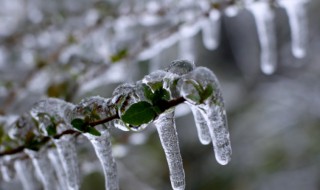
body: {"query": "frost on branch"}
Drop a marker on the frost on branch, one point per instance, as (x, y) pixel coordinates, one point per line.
(47, 134)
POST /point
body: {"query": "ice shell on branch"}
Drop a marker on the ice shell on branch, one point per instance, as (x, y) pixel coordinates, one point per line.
(23, 125)
(180, 67)
(54, 107)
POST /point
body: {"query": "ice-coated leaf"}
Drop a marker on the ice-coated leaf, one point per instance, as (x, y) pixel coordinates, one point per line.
(169, 140)
(180, 67)
(139, 113)
(213, 112)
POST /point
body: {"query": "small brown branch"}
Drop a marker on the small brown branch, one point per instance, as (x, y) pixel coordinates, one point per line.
(45, 140)
(105, 120)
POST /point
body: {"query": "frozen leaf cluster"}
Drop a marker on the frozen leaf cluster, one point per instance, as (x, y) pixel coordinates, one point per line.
(46, 134)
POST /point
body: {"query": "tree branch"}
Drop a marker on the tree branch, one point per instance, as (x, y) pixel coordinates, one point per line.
(45, 140)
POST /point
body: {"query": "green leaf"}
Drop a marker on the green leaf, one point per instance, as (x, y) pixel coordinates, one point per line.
(155, 85)
(207, 92)
(51, 130)
(79, 124)
(83, 126)
(93, 131)
(139, 113)
(196, 85)
(119, 55)
(195, 97)
(147, 92)
(161, 94)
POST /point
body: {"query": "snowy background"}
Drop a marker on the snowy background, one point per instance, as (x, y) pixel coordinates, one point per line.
(64, 48)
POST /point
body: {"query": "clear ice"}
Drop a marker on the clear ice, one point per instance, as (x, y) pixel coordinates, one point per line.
(297, 14)
(182, 67)
(25, 172)
(61, 111)
(57, 164)
(103, 148)
(166, 128)
(101, 144)
(68, 157)
(201, 125)
(264, 18)
(212, 110)
(7, 168)
(211, 30)
(43, 168)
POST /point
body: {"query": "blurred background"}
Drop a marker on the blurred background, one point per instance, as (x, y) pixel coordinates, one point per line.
(73, 49)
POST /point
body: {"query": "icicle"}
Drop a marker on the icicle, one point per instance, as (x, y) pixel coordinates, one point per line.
(169, 139)
(202, 127)
(68, 156)
(231, 10)
(25, 173)
(102, 144)
(264, 16)
(211, 30)
(7, 169)
(43, 168)
(182, 67)
(296, 11)
(103, 148)
(57, 164)
(212, 110)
